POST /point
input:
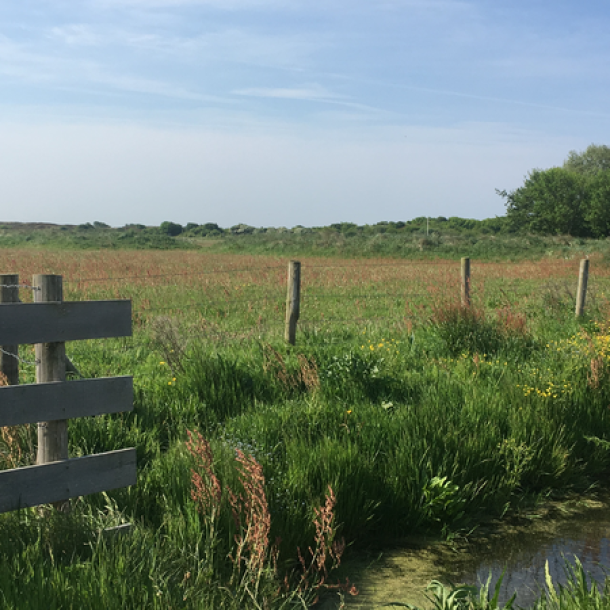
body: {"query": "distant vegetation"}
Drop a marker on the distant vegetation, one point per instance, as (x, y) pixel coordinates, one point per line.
(173, 235)
(551, 214)
(419, 238)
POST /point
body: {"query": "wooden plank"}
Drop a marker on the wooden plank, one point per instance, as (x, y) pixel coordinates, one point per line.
(68, 321)
(56, 481)
(39, 402)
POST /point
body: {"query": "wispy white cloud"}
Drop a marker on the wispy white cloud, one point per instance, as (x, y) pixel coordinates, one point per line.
(19, 62)
(134, 84)
(76, 34)
(86, 75)
(307, 93)
(315, 94)
(428, 5)
(210, 43)
(508, 101)
(225, 5)
(325, 6)
(238, 45)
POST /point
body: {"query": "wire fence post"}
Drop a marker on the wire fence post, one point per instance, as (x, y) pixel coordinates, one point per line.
(51, 357)
(581, 295)
(293, 301)
(465, 267)
(9, 365)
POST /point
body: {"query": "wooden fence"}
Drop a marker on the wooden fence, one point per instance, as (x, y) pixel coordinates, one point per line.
(294, 293)
(48, 323)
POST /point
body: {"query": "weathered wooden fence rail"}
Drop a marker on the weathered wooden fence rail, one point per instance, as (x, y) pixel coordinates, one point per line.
(49, 323)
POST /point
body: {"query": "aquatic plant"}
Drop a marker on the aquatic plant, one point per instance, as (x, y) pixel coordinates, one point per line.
(580, 592)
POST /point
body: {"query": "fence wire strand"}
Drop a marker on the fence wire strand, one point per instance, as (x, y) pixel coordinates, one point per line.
(19, 359)
(510, 296)
(28, 286)
(162, 275)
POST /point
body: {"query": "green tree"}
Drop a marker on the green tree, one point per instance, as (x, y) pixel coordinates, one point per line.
(598, 210)
(589, 162)
(550, 201)
(170, 228)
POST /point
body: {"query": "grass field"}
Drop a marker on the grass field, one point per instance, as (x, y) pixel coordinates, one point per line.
(397, 412)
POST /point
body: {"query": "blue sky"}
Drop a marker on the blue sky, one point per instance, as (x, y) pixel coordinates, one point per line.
(285, 112)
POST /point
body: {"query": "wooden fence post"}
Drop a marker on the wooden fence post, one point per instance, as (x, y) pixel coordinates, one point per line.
(9, 293)
(465, 266)
(581, 295)
(48, 323)
(50, 366)
(293, 301)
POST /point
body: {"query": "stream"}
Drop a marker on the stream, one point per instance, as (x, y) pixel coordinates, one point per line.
(519, 547)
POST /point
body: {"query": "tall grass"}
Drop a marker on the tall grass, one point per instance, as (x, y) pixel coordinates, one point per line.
(431, 421)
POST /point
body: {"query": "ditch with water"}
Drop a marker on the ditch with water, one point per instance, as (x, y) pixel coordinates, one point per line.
(519, 547)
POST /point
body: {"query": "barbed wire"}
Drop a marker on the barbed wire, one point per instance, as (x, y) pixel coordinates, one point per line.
(406, 263)
(359, 320)
(161, 275)
(376, 295)
(196, 306)
(240, 270)
(20, 286)
(260, 332)
(440, 263)
(353, 265)
(304, 297)
(258, 329)
(17, 357)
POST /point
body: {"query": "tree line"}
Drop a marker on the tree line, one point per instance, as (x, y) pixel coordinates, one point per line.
(570, 200)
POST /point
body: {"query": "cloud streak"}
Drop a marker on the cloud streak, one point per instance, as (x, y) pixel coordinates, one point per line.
(306, 93)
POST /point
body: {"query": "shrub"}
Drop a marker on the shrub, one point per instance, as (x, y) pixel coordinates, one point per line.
(465, 329)
(170, 228)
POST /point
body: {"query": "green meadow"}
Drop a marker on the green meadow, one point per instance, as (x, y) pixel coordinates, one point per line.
(261, 465)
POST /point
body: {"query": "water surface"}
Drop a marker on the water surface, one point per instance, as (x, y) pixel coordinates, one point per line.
(520, 548)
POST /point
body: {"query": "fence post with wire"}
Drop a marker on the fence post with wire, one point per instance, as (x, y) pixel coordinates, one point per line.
(581, 295)
(293, 301)
(9, 365)
(465, 273)
(48, 323)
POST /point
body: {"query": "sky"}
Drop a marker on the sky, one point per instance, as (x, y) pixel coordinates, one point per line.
(291, 112)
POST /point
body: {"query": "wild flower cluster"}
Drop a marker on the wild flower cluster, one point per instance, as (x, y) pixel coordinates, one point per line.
(390, 346)
(255, 576)
(567, 359)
